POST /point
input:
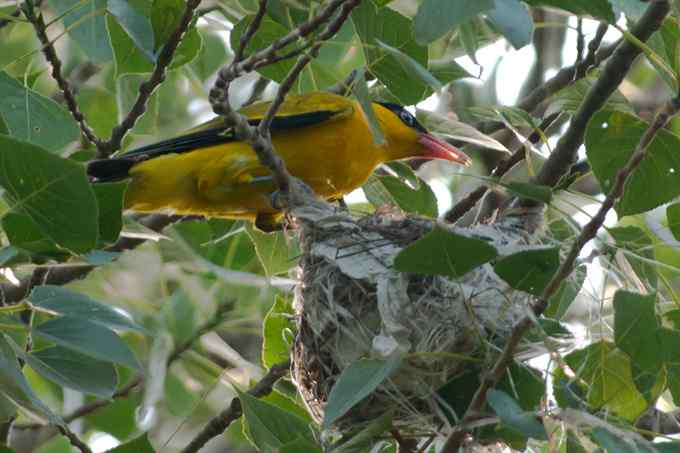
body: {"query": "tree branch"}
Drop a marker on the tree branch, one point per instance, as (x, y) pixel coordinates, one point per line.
(51, 56)
(217, 425)
(147, 88)
(588, 232)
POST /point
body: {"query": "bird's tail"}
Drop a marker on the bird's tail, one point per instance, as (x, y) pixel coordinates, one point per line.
(108, 170)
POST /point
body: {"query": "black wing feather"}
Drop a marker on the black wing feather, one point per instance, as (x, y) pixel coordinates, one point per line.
(118, 167)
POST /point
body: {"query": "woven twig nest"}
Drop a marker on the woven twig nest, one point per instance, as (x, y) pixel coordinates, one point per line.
(351, 304)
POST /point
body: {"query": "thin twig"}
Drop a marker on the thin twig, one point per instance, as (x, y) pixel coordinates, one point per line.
(51, 56)
(250, 30)
(588, 232)
(74, 439)
(217, 425)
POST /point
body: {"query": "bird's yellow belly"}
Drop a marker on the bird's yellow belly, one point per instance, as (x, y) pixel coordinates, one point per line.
(333, 158)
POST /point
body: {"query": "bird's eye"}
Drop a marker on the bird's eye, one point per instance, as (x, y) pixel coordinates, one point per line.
(407, 118)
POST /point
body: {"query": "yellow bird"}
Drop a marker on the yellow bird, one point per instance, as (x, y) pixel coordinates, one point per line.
(324, 139)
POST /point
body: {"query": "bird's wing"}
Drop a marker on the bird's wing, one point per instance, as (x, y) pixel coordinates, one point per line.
(296, 112)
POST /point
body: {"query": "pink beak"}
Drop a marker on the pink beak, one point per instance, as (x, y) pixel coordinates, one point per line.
(439, 149)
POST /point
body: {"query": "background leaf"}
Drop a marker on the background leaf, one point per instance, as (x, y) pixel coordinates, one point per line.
(54, 192)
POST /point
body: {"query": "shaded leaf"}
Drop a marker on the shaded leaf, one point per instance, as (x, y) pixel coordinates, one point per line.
(608, 380)
(87, 338)
(274, 250)
(435, 18)
(513, 20)
(33, 118)
(110, 201)
(77, 305)
(360, 90)
(270, 426)
(71, 369)
(277, 329)
(391, 191)
(600, 9)
(443, 252)
(529, 270)
(656, 180)
(635, 328)
(511, 414)
(530, 191)
(86, 24)
(54, 192)
(14, 386)
(612, 443)
(355, 383)
(673, 217)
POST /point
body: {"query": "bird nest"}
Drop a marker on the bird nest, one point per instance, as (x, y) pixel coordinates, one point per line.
(351, 304)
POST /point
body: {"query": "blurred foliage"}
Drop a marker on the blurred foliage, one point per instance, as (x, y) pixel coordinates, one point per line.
(219, 290)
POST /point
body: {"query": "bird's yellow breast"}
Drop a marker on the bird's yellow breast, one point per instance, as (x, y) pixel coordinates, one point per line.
(334, 157)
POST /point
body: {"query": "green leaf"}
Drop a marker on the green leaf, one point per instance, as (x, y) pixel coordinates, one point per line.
(612, 443)
(513, 20)
(65, 302)
(639, 244)
(277, 329)
(138, 445)
(412, 66)
(86, 24)
(54, 192)
(87, 338)
(601, 9)
(14, 386)
(530, 191)
(24, 234)
(664, 44)
(435, 18)
(132, 18)
(274, 250)
(529, 270)
(673, 217)
(100, 107)
(607, 379)
(360, 90)
(71, 369)
(300, 445)
(110, 198)
(559, 303)
(443, 252)
(33, 118)
(669, 339)
(270, 426)
(388, 190)
(512, 415)
(365, 439)
(132, 39)
(635, 329)
(384, 25)
(355, 383)
(611, 138)
(180, 401)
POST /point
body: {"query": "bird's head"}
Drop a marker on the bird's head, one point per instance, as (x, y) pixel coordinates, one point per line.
(408, 139)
